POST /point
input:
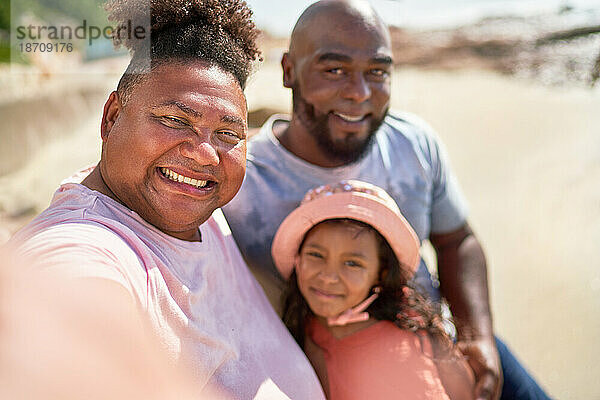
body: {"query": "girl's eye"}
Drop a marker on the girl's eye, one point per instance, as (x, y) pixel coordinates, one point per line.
(314, 254)
(352, 263)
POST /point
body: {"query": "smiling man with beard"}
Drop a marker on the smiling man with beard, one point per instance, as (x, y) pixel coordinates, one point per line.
(339, 67)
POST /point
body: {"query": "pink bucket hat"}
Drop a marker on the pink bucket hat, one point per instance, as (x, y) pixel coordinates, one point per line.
(347, 199)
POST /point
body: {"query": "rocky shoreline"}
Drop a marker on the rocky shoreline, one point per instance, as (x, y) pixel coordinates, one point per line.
(545, 48)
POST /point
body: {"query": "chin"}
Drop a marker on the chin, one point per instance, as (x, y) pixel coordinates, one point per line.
(177, 222)
(325, 312)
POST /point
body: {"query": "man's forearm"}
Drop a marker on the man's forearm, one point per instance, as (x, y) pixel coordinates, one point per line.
(463, 282)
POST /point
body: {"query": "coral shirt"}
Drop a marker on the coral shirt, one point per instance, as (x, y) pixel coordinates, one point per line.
(378, 362)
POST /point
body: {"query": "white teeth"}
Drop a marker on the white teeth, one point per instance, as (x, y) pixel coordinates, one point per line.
(350, 118)
(174, 176)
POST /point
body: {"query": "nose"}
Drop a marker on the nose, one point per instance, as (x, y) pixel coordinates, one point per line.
(329, 274)
(200, 150)
(357, 88)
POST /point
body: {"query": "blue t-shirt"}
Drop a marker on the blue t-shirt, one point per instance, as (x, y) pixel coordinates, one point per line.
(406, 159)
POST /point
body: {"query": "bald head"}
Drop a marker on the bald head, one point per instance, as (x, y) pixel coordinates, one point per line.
(338, 67)
(337, 15)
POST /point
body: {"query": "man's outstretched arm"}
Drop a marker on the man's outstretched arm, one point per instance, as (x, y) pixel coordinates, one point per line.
(463, 282)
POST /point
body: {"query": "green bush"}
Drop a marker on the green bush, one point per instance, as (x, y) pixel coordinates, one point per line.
(4, 53)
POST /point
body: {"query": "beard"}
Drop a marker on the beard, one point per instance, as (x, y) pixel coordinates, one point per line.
(350, 149)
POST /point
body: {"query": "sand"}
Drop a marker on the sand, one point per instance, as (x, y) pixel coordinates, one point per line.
(528, 159)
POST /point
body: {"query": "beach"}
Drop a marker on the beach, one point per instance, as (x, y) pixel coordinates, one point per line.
(527, 157)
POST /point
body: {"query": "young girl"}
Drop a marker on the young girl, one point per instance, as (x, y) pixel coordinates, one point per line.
(349, 255)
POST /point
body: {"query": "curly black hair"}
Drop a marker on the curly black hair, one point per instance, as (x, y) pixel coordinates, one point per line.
(219, 32)
(399, 300)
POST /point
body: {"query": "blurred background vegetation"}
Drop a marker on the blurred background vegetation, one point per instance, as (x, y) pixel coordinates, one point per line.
(49, 12)
(4, 30)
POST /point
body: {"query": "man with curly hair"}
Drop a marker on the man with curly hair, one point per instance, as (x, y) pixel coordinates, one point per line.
(144, 223)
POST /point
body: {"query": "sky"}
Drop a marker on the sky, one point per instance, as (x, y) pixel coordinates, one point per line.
(279, 16)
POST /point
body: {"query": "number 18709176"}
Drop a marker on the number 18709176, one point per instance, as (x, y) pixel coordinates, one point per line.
(43, 47)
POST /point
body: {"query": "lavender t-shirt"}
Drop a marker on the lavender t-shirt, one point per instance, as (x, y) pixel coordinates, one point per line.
(199, 296)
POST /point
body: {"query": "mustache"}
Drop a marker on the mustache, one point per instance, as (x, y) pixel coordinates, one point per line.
(346, 151)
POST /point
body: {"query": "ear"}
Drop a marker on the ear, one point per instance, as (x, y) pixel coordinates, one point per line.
(112, 108)
(288, 70)
(296, 261)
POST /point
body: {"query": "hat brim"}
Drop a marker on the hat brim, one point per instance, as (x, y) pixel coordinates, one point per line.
(353, 205)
